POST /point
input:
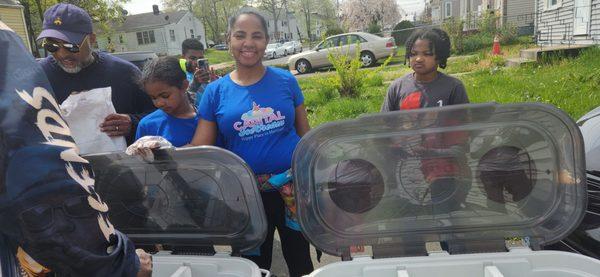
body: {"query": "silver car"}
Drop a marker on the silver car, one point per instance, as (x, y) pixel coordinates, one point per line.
(292, 47)
(274, 50)
(372, 48)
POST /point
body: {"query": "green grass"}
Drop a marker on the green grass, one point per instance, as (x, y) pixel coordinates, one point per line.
(217, 56)
(571, 84)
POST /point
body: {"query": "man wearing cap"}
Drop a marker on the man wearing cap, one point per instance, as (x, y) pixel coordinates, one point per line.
(74, 67)
(51, 216)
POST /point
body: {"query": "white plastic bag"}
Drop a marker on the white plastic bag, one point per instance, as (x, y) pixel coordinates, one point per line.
(144, 145)
(84, 111)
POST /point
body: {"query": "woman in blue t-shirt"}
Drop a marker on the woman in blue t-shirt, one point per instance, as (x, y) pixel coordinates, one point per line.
(257, 112)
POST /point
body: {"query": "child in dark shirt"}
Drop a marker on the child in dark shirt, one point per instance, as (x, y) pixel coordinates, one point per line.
(176, 118)
(442, 155)
(426, 50)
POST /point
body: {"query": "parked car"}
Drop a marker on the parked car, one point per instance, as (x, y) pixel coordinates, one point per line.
(292, 47)
(274, 50)
(138, 58)
(372, 48)
(221, 47)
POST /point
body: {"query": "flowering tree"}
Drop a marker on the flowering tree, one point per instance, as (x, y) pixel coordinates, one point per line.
(359, 14)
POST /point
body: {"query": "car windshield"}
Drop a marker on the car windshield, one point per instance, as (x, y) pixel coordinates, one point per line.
(271, 46)
(289, 43)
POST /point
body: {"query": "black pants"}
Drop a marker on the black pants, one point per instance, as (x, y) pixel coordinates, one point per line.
(295, 248)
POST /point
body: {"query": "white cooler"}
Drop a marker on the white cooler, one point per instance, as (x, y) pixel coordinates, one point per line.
(466, 190)
(191, 201)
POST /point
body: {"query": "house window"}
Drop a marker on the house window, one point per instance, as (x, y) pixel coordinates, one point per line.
(552, 4)
(192, 33)
(145, 37)
(447, 9)
(172, 34)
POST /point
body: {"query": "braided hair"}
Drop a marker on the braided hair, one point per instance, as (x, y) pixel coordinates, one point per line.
(439, 43)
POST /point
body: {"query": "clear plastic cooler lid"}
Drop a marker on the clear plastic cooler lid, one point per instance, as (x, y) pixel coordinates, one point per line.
(198, 196)
(464, 173)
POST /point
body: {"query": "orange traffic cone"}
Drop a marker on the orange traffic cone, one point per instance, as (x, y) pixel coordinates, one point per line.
(496, 46)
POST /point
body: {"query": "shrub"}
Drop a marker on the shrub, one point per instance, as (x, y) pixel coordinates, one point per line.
(400, 33)
(374, 28)
(454, 28)
(347, 69)
(332, 31)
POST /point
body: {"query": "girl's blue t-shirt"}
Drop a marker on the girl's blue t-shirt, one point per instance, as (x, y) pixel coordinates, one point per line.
(256, 122)
(178, 131)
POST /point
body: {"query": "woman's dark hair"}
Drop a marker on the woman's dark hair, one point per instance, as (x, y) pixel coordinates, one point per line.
(261, 18)
(439, 43)
(165, 69)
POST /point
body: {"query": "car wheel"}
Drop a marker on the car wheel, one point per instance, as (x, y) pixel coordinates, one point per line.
(274, 55)
(303, 66)
(367, 58)
(285, 53)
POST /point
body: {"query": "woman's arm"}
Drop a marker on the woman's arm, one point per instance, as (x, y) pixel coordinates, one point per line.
(206, 133)
(301, 124)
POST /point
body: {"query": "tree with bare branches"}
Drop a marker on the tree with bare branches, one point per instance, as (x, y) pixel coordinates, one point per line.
(359, 14)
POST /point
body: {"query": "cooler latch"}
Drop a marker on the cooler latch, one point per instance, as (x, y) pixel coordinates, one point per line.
(517, 244)
(434, 248)
(361, 252)
(223, 250)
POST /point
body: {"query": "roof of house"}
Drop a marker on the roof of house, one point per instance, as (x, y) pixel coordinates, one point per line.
(145, 20)
(9, 2)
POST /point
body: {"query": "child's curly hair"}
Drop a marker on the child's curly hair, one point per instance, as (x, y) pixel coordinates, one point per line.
(439, 43)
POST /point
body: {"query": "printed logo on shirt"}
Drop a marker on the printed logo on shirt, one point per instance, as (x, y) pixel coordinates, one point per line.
(258, 122)
(412, 101)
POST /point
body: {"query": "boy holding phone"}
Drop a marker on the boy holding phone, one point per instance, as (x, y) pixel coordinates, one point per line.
(196, 68)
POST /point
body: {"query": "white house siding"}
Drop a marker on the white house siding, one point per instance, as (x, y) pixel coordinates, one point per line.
(520, 13)
(163, 44)
(555, 26)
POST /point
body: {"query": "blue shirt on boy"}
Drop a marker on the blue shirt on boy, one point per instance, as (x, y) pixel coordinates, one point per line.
(178, 131)
(256, 122)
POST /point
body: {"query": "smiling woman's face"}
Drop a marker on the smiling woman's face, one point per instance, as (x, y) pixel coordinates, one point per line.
(248, 41)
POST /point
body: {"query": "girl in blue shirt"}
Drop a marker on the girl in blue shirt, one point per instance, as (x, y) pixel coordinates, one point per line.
(258, 113)
(176, 118)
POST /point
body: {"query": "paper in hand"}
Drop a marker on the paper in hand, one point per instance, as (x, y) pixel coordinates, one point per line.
(84, 112)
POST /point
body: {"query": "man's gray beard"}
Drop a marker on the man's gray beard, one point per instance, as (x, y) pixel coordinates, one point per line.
(78, 68)
(73, 70)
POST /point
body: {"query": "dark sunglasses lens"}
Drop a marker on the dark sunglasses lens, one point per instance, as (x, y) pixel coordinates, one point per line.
(73, 49)
(51, 47)
(79, 207)
(37, 218)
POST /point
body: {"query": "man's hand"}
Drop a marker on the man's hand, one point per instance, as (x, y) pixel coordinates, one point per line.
(116, 125)
(145, 263)
(201, 76)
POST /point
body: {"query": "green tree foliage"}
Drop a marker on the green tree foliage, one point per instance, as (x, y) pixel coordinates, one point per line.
(309, 12)
(103, 13)
(400, 33)
(374, 28)
(214, 14)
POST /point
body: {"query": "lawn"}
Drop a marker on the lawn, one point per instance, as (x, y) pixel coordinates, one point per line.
(217, 56)
(571, 84)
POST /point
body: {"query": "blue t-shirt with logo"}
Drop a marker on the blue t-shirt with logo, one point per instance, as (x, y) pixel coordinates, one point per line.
(256, 122)
(178, 131)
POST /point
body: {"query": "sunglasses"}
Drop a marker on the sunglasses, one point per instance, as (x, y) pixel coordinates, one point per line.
(41, 217)
(53, 46)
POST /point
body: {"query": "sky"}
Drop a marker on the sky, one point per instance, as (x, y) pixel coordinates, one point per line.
(411, 6)
(142, 6)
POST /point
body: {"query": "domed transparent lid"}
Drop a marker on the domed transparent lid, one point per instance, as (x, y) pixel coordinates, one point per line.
(197, 196)
(463, 173)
